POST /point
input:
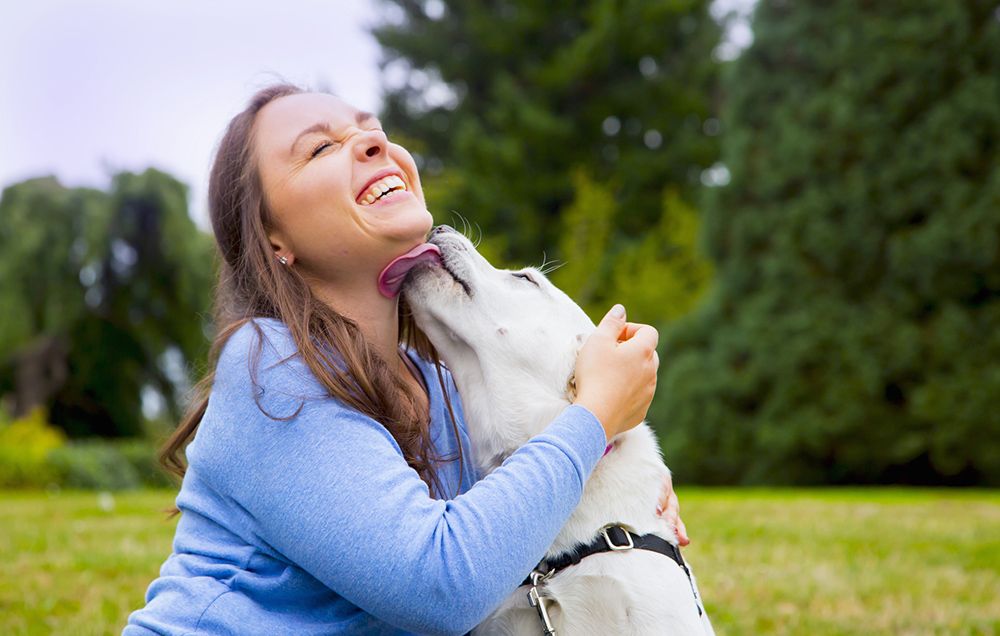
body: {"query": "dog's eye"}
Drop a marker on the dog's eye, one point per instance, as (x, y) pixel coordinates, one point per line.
(525, 277)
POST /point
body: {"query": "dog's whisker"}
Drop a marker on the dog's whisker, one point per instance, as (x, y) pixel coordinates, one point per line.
(554, 266)
(454, 215)
(480, 239)
(466, 226)
(547, 265)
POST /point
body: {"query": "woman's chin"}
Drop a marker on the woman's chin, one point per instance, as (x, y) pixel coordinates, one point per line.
(409, 226)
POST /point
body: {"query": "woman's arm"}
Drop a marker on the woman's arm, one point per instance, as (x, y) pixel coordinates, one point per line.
(331, 492)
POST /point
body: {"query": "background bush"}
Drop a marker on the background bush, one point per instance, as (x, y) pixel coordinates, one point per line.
(35, 454)
(25, 447)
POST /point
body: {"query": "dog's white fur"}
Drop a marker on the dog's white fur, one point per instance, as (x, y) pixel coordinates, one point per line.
(511, 345)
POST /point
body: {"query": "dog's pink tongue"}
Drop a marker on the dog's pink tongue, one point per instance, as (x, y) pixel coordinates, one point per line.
(391, 278)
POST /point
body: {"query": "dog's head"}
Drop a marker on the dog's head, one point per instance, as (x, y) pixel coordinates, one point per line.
(510, 338)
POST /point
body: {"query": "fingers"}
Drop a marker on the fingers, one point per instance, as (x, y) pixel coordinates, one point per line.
(669, 508)
(673, 506)
(665, 493)
(638, 334)
(613, 321)
(682, 533)
(644, 337)
(628, 330)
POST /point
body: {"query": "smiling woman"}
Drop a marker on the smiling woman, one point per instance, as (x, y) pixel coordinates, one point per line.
(328, 487)
(320, 186)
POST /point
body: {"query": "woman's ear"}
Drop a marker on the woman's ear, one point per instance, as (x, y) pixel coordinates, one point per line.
(281, 247)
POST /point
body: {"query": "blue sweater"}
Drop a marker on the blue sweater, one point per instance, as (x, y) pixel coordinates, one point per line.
(316, 524)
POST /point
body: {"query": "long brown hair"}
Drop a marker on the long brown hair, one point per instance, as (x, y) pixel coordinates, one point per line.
(252, 283)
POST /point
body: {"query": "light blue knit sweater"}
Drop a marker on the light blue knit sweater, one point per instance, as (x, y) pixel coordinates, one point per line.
(316, 525)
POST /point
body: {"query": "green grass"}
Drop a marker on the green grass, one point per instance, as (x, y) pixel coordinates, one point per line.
(859, 561)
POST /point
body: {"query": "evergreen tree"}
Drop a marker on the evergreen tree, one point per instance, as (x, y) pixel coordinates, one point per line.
(853, 334)
(507, 100)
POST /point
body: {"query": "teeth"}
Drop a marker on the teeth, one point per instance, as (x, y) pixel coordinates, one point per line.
(381, 187)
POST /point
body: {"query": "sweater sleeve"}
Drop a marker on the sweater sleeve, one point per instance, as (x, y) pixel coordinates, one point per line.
(329, 489)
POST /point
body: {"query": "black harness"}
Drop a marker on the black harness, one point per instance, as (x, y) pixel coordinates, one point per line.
(612, 539)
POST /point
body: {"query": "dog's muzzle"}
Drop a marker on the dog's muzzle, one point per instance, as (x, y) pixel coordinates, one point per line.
(446, 239)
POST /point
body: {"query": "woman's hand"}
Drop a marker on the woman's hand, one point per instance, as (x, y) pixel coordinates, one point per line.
(670, 509)
(616, 372)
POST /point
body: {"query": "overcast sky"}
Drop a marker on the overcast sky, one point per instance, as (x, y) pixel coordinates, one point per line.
(91, 88)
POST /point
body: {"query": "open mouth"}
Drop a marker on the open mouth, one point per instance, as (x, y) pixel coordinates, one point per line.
(384, 184)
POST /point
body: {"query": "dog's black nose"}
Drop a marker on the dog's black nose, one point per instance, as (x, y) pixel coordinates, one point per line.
(441, 229)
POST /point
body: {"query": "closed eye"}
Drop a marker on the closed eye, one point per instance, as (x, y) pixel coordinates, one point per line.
(318, 148)
(525, 277)
(322, 145)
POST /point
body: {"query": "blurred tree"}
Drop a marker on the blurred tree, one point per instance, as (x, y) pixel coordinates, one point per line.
(658, 278)
(584, 240)
(505, 100)
(853, 334)
(106, 296)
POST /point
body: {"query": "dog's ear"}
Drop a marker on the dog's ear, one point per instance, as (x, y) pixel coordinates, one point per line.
(571, 388)
(571, 383)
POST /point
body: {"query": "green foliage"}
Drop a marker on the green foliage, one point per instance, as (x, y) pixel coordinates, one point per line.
(25, 446)
(93, 465)
(510, 100)
(105, 294)
(141, 455)
(36, 454)
(657, 277)
(662, 276)
(584, 242)
(853, 333)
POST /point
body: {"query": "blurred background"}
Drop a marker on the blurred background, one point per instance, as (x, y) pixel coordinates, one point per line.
(803, 197)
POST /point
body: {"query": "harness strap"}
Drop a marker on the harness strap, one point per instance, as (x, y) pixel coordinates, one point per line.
(615, 539)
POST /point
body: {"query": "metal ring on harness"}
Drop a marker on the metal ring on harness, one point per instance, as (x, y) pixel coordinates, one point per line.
(617, 547)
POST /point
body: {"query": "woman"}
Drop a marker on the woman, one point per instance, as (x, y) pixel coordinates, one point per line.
(329, 488)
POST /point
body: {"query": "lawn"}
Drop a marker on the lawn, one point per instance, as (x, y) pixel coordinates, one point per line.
(817, 562)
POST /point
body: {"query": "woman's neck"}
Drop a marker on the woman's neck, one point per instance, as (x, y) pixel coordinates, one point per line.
(376, 316)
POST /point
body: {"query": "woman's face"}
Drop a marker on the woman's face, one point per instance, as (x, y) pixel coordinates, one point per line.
(317, 158)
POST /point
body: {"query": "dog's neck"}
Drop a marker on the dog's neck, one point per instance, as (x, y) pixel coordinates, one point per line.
(501, 420)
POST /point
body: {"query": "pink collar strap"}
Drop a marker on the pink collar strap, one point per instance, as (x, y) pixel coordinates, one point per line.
(608, 448)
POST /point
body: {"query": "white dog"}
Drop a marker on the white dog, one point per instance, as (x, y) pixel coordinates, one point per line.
(510, 339)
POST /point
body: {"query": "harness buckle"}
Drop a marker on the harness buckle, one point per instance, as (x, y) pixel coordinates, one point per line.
(615, 546)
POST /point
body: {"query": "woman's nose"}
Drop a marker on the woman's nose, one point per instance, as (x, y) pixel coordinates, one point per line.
(370, 145)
